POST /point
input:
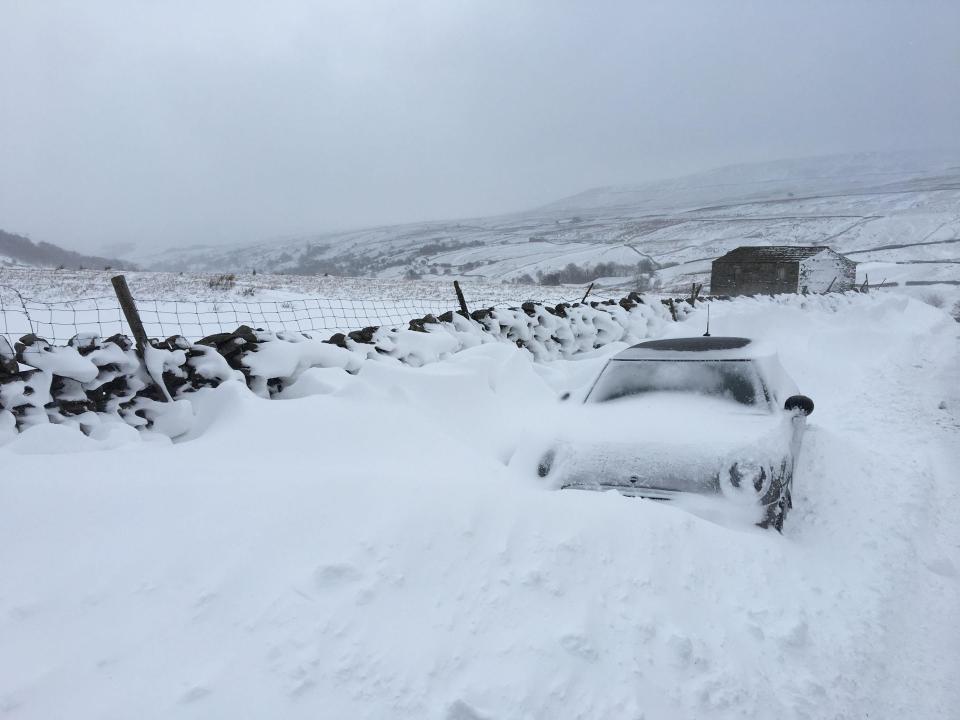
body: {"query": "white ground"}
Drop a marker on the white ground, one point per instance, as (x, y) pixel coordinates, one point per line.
(361, 550)
(48, 285)
(896, 210)
(57, 304)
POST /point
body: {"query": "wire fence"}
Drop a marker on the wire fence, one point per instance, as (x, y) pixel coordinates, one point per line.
(60, 321)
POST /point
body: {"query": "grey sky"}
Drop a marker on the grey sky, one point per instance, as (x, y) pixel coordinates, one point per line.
(180, 122)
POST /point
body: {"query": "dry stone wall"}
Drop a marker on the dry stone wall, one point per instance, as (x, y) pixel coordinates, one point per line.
(92, 381)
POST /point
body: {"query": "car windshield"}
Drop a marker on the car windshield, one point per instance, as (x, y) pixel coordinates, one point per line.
(736, 380)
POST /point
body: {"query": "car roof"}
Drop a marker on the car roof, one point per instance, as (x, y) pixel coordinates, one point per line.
(696, 348)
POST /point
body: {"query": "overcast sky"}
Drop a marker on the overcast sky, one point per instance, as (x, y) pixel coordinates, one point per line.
(180, 122)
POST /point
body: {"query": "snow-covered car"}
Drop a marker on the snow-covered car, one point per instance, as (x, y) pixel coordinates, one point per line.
(703, 415)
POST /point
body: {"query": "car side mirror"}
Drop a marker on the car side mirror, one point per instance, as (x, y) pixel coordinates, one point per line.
(565, 396)
(799, 402)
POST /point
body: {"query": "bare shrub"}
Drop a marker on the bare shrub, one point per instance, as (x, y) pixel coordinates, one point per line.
(226, 281)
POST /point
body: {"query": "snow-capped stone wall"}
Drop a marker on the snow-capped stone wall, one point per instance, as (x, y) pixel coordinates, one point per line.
(271, 361)
(93, 382)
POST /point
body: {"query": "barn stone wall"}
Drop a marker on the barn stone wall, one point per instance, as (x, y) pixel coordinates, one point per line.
(754, 278)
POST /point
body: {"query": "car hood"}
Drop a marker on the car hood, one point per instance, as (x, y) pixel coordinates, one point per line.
(672, 442)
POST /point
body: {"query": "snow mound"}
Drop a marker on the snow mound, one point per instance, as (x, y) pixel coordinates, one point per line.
(364, 551)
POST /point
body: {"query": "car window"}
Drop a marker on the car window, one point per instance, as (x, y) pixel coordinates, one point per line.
(735, 380)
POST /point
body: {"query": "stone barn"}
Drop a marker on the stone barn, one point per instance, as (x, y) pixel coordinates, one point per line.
(765, 270)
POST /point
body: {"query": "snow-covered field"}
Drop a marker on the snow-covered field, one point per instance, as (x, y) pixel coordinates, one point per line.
(57, 304)
(47, 285)
(362, 549)
(895, 213)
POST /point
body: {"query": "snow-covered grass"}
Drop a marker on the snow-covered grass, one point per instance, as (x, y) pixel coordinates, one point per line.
(61, 303)
(361, 549)
(897, 212)
(47, 285)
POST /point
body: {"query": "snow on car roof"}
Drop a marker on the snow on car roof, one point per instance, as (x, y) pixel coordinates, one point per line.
(696, 348)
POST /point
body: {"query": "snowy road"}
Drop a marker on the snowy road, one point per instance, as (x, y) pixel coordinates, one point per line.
(361, 550)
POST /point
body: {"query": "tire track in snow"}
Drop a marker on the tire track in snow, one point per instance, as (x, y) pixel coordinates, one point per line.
(876, 492)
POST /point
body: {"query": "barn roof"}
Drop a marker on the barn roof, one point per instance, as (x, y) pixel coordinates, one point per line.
(771, 253)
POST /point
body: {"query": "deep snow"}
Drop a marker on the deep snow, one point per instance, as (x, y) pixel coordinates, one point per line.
(361, 549)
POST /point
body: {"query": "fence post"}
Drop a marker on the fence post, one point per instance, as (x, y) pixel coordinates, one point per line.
(584, 298)
(673, 309)
(463, 303)
(129, 308)
(130, 312)
(695, 292)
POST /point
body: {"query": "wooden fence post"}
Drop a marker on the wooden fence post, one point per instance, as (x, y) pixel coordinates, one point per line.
(129, 308)
(584, 298)
(463, 303)
(130, 312)
(673, 309)
(695, 292)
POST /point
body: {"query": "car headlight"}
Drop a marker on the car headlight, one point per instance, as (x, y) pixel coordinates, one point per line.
(546, 463)
(745, 480)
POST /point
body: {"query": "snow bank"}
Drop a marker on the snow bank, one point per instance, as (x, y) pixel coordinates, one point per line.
(366, 553)
(90, 377)
(92, 381)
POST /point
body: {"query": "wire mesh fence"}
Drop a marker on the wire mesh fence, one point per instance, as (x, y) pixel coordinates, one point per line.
(60, 321)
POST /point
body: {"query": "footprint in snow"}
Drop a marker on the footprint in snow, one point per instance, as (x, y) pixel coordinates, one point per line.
(336, 575)
(580, 646)
(197, 692)
(681, 648)
(942, 566)
(459, 710)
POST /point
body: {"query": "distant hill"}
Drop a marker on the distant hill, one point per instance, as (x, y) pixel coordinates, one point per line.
(898, 215)
(19, 250)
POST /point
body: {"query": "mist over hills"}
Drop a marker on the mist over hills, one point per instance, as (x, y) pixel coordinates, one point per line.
(897, 214)
(17, 250)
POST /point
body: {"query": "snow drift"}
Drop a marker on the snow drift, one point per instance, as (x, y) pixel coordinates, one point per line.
(91, 381)
(358, 548)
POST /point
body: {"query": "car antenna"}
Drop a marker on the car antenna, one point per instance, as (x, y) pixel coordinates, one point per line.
(707, 333)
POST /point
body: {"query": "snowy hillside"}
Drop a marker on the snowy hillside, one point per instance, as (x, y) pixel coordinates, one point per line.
(20, 251)
(896, 214)
(363, 549)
